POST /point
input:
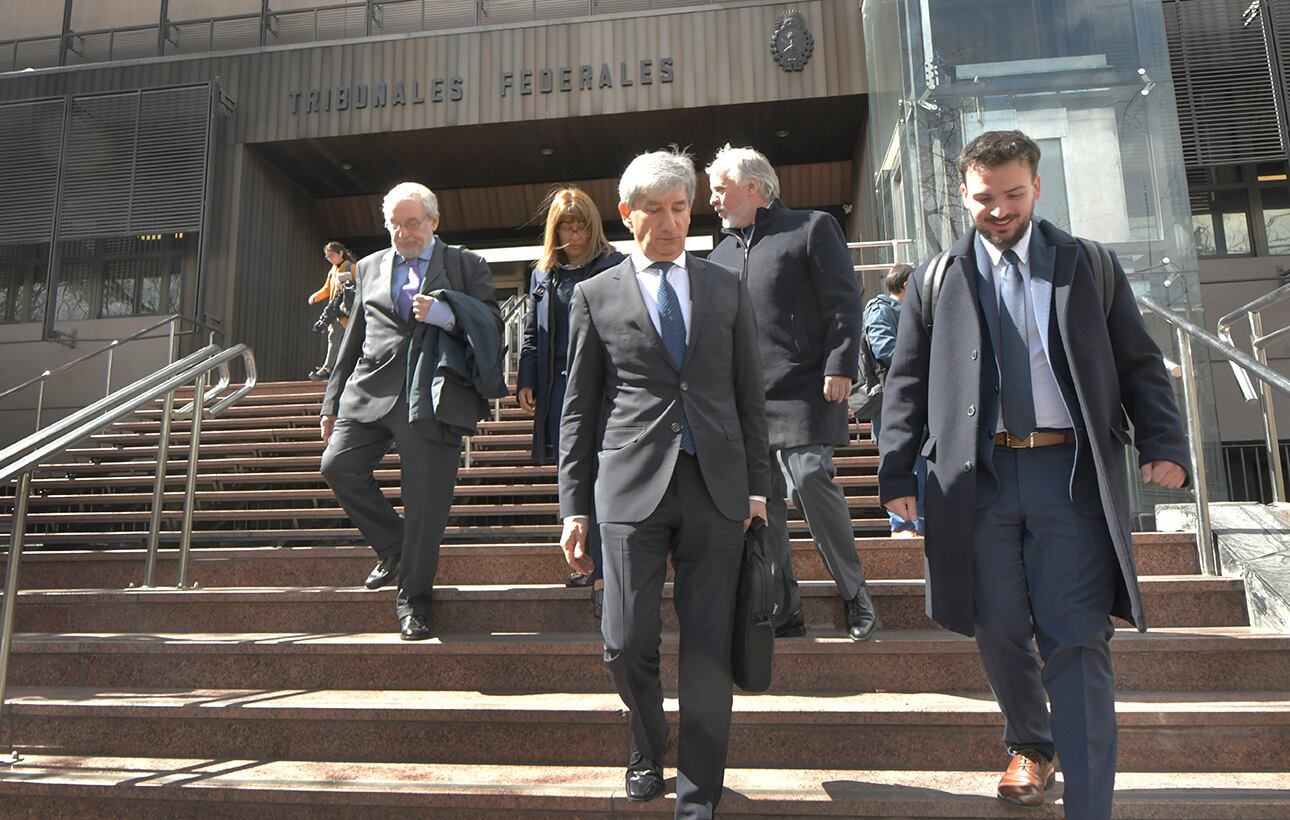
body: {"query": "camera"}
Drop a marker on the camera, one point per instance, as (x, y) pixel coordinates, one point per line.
(330, 313)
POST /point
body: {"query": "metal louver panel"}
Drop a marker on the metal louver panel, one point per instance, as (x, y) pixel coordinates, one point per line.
(1227, 106)
(1280, 18)
(135, 163)
(170, 162)
(99, 166)
(29, 151)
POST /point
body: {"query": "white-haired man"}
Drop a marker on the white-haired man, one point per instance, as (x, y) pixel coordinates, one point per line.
(665, 392)
(369, 403)
(808, 303)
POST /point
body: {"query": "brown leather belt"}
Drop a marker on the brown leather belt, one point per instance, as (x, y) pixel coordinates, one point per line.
(1039, 438)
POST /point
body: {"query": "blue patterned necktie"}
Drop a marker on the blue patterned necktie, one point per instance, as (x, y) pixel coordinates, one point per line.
(672, 329)
(1014, 356)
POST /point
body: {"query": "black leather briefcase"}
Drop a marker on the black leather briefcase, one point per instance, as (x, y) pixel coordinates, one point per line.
(754, 639)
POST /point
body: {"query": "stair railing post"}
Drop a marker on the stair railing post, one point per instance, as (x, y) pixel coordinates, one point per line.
(190, 488)
(40, 402)
(1269, 413)
(19, 522)
(107, 387)
(1209, 563)
(159, 489)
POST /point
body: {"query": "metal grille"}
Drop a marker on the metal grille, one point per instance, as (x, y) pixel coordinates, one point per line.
(170, 165)
(135, 163)
(1227, 105)
(29, 151)
(1246, 464)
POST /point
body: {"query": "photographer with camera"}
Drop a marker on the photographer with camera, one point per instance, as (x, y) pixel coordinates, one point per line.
(338, 290)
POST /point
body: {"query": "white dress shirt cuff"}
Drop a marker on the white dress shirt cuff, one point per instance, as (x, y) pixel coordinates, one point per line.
(760, 498)
(569, 518)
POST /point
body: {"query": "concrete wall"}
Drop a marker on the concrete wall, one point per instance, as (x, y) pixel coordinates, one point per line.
(24, 18)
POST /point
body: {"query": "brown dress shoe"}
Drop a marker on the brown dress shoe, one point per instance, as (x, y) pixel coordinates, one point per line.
(1026, 779)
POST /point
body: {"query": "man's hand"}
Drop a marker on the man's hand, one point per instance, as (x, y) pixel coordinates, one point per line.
(421, 306)
(1165, 473)
(525, 397)
(836, 388)
(326, 424)
(574, 543)
(906, 507)
(756, 509)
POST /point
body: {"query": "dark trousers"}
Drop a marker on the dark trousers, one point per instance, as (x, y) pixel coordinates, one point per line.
(806, 475)
(1046, 575)
(550, 417)
(706, 550)
(428, 477)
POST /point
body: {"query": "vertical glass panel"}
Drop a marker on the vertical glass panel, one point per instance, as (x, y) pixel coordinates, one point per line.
(1052, 176)
(1276, 219)
(1236, 233)
(74, 291)
(119, 281)
(12, 280)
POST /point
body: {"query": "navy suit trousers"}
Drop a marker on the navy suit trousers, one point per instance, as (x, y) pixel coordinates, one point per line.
(1046, 577)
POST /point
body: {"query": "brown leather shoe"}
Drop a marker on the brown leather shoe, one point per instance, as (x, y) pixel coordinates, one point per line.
(1026, 779)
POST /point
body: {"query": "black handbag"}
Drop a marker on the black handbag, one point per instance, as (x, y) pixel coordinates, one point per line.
(754, 639)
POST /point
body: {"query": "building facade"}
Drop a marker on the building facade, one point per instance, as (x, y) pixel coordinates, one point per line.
(193, 157)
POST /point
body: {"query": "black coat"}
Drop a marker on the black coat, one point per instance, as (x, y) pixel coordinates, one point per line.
(808, 304)
(537, 356)
(1106, 366)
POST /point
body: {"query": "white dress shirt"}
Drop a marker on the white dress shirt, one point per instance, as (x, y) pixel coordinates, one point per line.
(649, 280)
(1050, 407)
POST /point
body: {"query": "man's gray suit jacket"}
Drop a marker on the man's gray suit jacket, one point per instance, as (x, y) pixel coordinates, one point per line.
(619, 371)
(371, 369)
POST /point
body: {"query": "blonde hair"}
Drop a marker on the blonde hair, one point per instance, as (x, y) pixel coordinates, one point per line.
(570, 204)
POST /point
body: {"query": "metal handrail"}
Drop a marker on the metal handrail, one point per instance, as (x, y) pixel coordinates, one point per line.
(1187, 330)
(21, 460)
(110, 350)
(893, 245)
(1260, 342)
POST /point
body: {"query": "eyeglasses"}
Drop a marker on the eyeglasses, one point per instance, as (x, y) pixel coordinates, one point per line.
(411, 226)
(576, 228)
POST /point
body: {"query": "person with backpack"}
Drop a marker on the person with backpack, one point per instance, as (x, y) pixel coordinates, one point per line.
(881, 316)
(1022, 354)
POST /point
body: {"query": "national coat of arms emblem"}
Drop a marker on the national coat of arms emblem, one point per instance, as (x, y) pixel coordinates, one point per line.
(791, 42)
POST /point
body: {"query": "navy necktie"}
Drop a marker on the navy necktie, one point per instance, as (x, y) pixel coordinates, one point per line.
(671, 326)
(1017, 398)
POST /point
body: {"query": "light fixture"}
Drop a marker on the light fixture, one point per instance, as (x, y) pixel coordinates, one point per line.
(1272, 177)
(546, 152)
(347, 166)
(781, 133)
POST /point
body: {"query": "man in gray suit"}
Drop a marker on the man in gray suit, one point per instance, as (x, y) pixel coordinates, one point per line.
(366, 406)
(804, 291)
(1023, 378)
(665, 391)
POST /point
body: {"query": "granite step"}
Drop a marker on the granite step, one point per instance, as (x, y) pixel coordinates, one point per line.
(1161, 732)
(1173, 601)
(532, 563)
(145, 788)
(1169, 660)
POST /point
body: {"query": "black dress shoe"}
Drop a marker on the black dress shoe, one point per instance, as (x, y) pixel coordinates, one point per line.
(860, 615)
(598, 603)
(385, 571)
(413, 628)
(644, 779)
(794, 627)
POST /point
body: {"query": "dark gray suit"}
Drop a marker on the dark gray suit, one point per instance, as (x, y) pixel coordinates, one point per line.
(653, 500)
(368, 393)
(808, 304)
(1032, 544)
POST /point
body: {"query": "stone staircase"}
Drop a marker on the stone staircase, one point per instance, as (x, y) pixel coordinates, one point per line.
(280, 685)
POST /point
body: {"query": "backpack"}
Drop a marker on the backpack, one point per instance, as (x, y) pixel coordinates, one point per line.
(1099, 259)
(866, 396)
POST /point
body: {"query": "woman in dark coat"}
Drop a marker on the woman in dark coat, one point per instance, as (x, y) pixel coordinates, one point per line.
(574, 248)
